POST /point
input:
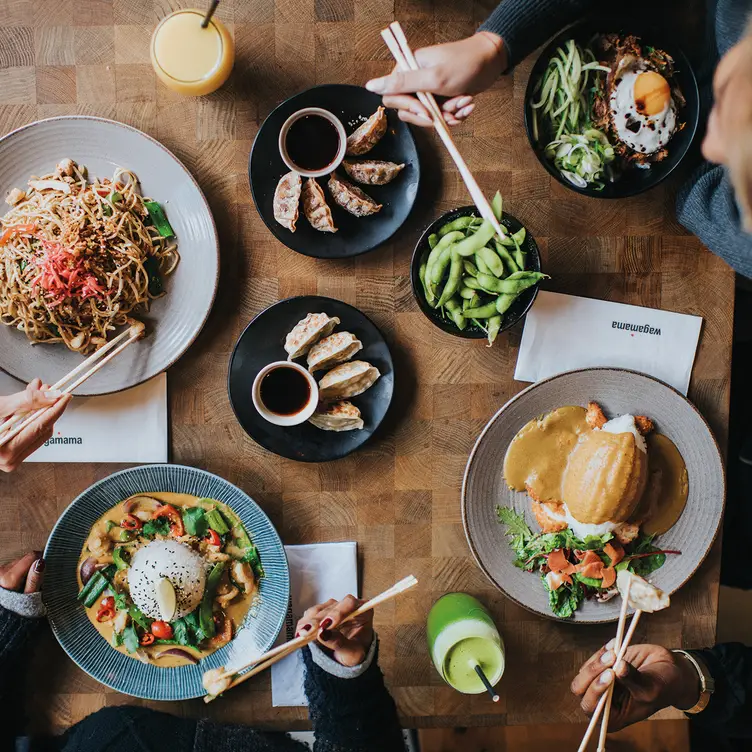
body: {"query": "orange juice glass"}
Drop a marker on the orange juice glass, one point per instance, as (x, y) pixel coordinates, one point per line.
(189, 59)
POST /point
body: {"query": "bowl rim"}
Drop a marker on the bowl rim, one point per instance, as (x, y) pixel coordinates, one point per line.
(430, 313)
(691, 121)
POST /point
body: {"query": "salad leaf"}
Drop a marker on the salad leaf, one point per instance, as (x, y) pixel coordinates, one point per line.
(517, 528)
(646, 564)
(182, 634)
(130, 639)
(565, 600)
(160, 526)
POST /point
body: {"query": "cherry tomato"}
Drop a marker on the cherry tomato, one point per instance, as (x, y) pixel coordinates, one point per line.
(146, 639)
(161, 630)
(214, 538)
(131, 522)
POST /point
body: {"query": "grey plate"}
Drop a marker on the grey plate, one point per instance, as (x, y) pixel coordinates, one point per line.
(90, 651)
(175, 319)
(618, 391)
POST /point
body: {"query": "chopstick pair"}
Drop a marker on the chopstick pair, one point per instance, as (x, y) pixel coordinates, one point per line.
(398, 45)
(11, 427)
(282, 651)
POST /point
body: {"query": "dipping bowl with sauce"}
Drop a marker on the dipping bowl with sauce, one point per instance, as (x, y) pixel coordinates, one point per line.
(189, 59)
(285, 394)
(462, 635)
(312, 142)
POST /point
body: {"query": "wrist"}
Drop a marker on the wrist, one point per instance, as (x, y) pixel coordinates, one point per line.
(496, 49)
(686, 688)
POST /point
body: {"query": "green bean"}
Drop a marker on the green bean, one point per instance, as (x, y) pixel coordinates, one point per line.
(433, 239)
(478, 239)
(504, 301)
(506, 256)
(496, 205)
(515, 283)
(494, 324)
(491, 260)
(436, 252)
(467, 293)
(470, 268)
(427, 291)
(481, 312)
(483, 267)
(454, 279)
(456, 224)
(454, 309)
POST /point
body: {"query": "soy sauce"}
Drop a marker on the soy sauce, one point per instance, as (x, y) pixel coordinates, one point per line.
(312, 142)
(284, 391)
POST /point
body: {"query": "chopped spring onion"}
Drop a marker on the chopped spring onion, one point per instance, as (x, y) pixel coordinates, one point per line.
(159, 219)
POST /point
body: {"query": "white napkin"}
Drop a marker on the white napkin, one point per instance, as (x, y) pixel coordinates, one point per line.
(565, 332)
(318, 571)
(129, 426)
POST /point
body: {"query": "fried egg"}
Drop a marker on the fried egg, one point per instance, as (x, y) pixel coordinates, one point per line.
(642, 110)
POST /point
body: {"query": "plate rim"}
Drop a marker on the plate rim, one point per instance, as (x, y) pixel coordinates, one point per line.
(232, 359)
(169, 153)
(514, 398)
(200, 471)
(314, 254)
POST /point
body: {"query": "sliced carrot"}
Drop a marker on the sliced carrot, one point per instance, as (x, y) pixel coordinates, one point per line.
(556, 579)
(609, 577)
(614, 551)
(557, 560)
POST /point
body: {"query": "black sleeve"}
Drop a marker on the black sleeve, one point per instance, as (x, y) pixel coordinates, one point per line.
(15, 633)
(525, 24)
(351, 715)
(706, 206)
(730, 707)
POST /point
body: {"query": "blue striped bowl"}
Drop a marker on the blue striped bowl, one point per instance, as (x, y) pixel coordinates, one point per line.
(81, 640)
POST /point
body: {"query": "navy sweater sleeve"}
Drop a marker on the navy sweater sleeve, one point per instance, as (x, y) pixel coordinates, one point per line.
(351, 715)
(730, 707)
(706, 206)
(525, 24)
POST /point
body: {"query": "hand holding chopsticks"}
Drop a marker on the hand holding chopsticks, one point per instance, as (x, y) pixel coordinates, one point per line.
(217, 681)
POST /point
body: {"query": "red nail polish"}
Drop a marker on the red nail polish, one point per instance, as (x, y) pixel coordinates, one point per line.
(326, 623)
(297, 634)
(39, 565)
(325, 635)
(306, 627)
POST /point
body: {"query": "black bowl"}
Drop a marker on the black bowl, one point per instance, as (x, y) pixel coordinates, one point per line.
(355, 235)
(631, 181)
(517, 310)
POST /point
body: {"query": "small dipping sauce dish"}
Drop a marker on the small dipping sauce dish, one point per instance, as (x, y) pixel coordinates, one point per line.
(312, 142)
(285, 394)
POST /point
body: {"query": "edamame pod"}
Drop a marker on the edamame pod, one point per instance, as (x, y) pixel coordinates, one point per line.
(496, 205)
(513, 284)
(481, 312)
(467, 293)
(519, 236)
(504, 301)
(483, 267)
(455, 277)
(506, 257)
(437, 250)
(494, 324)
(478, 239)
(473, 302)
(470, 268)
(427, 291)
(491, 260)
(455, 312)
(436, 272)
(474, 284)
(519, 256)
(456, 224)
(433, 239)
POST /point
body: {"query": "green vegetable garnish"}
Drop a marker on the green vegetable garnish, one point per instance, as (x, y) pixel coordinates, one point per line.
(159, 219)
(195, 522)
(130, 639)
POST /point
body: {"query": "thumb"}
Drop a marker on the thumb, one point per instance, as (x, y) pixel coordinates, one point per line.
(406, 82)
(29, 399)
(639, 684)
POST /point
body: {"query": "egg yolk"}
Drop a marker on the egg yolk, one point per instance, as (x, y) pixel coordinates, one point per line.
(651, 93)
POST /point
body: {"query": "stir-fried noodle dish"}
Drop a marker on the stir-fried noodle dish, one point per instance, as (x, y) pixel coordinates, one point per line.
(80, 257)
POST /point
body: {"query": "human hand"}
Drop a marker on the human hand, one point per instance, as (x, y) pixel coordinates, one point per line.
(455, 70)
(35, 395)
(24, 574)
(652, 678)
(349, 643)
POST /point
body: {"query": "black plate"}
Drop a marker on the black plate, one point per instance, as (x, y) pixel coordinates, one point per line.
(351, 104)
(631, 181)
(516, 311)
(262, 343)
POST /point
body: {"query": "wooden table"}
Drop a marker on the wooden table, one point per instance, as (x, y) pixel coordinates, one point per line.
(400, 496)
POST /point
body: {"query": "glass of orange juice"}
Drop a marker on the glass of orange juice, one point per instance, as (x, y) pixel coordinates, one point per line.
(188, 58)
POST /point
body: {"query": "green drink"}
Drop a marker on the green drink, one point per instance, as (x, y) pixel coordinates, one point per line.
(461, 636)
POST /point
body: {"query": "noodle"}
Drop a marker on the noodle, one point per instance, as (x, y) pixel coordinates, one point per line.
(78, 257)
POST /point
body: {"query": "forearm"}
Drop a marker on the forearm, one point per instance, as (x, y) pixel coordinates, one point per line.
(730, 707)
(525, 24)
(351, 714)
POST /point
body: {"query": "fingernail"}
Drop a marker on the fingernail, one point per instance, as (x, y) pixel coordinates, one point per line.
(606, 677)
(306, 627)
(376, 85)
(52, 394)
(297, 634)
(422, 116)
(325, 635)
(463, 101)
(611, 644)
(607, 658)
(326, 623)
(39, 566)
(465, 111)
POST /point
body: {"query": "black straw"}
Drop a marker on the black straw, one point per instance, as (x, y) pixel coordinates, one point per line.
(209, 14)
(486, 683)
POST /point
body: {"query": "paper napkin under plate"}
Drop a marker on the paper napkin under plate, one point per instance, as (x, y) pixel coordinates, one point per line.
(565, 332)
(129, 426)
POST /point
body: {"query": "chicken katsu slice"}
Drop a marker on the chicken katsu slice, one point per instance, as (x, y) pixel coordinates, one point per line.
(594, 416)
(548, 524)
(644, 425)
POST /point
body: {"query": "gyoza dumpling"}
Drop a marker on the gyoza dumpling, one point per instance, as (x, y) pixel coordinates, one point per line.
(367, 135)
(351, 198)
(307, 332)
(286, 200)
(372, 171)
(334, 349)
(339, 416)
(348, 380)
(316, 209)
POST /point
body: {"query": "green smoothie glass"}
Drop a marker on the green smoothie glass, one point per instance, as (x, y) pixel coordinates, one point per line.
(461, 636)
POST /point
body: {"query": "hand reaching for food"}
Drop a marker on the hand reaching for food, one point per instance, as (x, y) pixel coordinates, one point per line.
(652, 678)
(349, 644)
(35, 396)
(24, 574)
(455, 70)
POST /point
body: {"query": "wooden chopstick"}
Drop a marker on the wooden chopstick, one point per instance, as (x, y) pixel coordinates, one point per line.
(282, 651)
(10, 428)
(398, 45)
